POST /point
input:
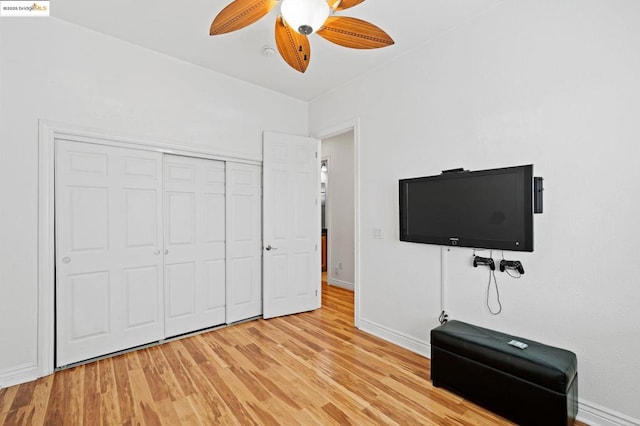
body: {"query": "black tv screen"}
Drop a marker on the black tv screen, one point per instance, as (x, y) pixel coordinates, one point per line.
(490, 209)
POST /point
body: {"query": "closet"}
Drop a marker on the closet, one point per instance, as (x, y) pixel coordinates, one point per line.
(151, 245)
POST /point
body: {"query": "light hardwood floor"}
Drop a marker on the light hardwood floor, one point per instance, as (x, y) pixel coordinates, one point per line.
(311, 368)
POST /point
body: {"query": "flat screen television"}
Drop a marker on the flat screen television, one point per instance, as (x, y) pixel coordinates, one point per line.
(490, 209)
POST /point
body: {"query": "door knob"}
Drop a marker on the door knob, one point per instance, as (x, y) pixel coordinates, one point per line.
(156, 251)
(66, 259)
(269, 248)
(166, 251)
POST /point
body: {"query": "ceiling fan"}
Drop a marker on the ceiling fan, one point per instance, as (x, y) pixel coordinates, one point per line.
(297, 20)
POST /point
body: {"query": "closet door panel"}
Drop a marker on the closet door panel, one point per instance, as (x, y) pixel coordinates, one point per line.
(108, 258)
(194, 199)
(180, 219)
(244, 241)
(88, 298)
(215, 271)
(141, 217)
(143, 297)
(180, 284)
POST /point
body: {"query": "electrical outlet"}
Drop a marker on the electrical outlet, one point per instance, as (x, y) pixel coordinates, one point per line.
(377, 233)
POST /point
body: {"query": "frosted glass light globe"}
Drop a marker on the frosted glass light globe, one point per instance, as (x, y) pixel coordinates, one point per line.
(305, 16)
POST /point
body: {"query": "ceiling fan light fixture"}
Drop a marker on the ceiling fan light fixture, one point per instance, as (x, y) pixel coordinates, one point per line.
(298, 19)
(305, 16)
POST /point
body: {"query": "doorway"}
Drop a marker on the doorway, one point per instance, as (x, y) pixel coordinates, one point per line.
(338, 208)
(324, 182)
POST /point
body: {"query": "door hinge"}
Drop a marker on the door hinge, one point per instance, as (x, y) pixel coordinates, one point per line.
(316, 154)
(316, 247)
(316, 293)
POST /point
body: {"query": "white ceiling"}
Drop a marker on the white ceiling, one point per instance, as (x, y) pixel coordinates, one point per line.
(181, 29)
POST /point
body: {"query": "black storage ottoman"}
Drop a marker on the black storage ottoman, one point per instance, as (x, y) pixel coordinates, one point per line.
(533, 386)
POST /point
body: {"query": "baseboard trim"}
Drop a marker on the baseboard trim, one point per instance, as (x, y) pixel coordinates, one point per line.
(17, 375)
(341, 284)
(393, 336)
(596, 415)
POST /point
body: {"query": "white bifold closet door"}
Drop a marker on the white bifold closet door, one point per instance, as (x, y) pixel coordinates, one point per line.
(150, 246)
(108, 250)
(194, 244)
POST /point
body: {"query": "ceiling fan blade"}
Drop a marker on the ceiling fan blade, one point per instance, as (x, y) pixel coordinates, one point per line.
(354, 33)
(240, 13)
(293, 47)
(343, 4)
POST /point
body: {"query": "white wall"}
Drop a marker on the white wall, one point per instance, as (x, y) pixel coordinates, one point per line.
(57, 71)
(553, 83)
(339, 211)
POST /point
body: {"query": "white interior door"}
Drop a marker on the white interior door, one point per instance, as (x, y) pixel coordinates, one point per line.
(108, 249)
(194, 249)
(244, 241)
(291, 224)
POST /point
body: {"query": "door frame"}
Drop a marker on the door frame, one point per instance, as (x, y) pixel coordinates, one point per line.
(327, 208)
(48, 132)
(329, 132)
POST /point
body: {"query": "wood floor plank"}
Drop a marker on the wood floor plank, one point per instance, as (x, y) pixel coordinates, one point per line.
(143, 404)
(205, 396)
(283, 394)
(313, 368)
(306, 417)
(217, 348)
(179, 371)
(91, 392)
(337, 414)
(123, 388)
(23, 396)
(56, 407)
(229, 398)
(264, 416)
(109, 402)
(205, 409)
(41, 399)
(7, 395)
(254, 386)
(188, 413)
(324, 389)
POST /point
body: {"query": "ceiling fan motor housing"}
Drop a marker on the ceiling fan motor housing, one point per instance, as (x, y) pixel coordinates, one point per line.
(305, 29)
